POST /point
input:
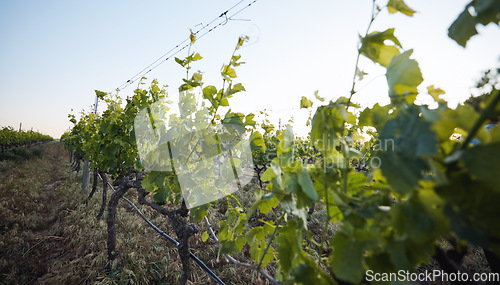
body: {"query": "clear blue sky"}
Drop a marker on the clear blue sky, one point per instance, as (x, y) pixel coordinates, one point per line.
(54, 54)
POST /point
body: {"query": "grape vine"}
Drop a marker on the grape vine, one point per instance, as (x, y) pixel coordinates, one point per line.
(398, 180)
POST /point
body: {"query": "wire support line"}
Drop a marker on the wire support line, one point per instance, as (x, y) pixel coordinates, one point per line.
(223, 19)
(227, 19)
(169, 238)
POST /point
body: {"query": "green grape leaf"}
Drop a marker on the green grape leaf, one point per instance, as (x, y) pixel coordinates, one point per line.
(100, 94)
(148, 182)
(289, 205)
(256, 233)
(240, 223)
(204, 236)
(196, 57)
(403, 77)
(270, 255)
(373, 46)
(399, 257)
(285, 147)
(198, 213)
(405, 141)
(328, 119)
(255, 238)
(376, 117)
(471, 207)
(180, 61)
(266, 205)
(488, 11)
(357, 182)
(495, 133)
(208, 93)
(411, 221)
(229, 71)
(161, 195)
(435, 92)
(238, 87)
(316, 94)
(308, 273)
(395, 6)
(234, 59)
(233, 118)
(227, 247)
(289, 246)
(224, 233)
(482, 162)
(240, 243)
(224, 102)
(305, 103)
(463, 28)
(401, 171)
(270, 173)
(463, 118)
(347, 258)
(286, 140)
(249, 120)
(290, 182)
(257, 142)
(463, 228)
(306, 185)
(197, 78)
(241, 40)
(379, 262)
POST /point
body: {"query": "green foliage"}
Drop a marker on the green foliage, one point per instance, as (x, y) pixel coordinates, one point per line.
(377, 116)
(430, 183)
(23, 153)
(395, 6)
(464, 27)
(204, 236)
(347, 258)
(482, 164)
(305, 103)
(375, 48)
(407, 141)
(403, 78)
(416, 201)
(289, 247)
(12, 138)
